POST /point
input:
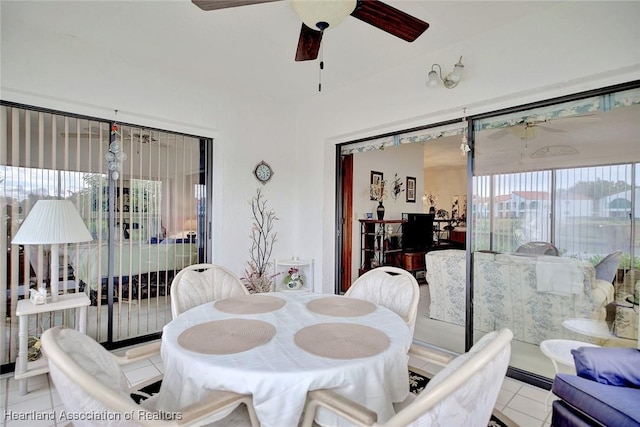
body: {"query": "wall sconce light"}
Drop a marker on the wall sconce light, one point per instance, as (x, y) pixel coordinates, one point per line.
(450, 81)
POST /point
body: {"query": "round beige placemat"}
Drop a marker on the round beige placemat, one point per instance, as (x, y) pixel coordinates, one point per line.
(341, 306)
(341, 340)
(226, 336)
(249, 304)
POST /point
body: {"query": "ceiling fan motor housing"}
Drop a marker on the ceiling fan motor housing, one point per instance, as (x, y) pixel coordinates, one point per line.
(323, 14)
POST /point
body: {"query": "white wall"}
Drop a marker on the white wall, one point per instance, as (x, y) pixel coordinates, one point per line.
(446, 184)
(405, 160)
(59, 72)
(574, 47)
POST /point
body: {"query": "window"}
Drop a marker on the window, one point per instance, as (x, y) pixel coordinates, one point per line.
(571, 194)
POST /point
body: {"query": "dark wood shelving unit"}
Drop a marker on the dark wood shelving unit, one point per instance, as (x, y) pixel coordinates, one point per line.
(378, 246)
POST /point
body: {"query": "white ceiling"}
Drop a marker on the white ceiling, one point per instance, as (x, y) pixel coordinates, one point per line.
(571, 141)
(252, 48)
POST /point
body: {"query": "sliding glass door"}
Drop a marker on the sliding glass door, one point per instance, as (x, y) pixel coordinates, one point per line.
(142, 195)
(555, 192)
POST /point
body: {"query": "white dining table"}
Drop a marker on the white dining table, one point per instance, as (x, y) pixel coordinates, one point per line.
(278, 346)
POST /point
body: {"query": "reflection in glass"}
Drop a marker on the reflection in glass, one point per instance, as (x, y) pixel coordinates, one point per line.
(560, 175)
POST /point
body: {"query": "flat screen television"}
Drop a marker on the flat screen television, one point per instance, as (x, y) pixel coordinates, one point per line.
(417, 231)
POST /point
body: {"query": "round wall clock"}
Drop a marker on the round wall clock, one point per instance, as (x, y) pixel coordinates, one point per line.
(263, 172)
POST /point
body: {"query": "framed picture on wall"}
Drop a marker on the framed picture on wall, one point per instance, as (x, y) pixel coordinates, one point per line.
(411, 189)
(376, 182)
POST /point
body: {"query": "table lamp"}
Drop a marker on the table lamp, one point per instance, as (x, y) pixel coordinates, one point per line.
(53, 222)
(191, 225)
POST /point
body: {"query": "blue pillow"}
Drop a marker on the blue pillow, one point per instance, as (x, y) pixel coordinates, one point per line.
(609, 365)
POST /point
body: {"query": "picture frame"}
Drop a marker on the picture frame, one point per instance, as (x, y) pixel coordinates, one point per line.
(377, 179)
(411, 189)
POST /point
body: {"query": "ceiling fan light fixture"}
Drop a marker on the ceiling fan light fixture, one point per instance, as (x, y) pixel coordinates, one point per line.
(451, 80)
(322, 14)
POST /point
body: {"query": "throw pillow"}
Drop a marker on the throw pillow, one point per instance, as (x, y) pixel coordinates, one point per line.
(607, 365)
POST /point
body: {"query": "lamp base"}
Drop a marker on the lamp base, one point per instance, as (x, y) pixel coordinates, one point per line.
(55, 261)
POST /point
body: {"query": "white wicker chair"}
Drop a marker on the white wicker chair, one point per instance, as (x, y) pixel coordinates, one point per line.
(89, 380)
(390, 287)
(200, 283)
(607, 268)
(462, 394)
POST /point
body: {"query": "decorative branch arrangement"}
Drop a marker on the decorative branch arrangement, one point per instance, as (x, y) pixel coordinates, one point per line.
(432, 198)
(257, 278)
(397, 187)
(441, 213)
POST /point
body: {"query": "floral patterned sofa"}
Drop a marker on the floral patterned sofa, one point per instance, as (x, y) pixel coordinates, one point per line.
(446, 276)
(533, 295)
(529, 294)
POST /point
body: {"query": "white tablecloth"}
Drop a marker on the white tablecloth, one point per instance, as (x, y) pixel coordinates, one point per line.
(279, 374)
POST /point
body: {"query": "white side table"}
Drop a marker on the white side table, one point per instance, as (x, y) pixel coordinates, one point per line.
(559, 351)
(24, 368)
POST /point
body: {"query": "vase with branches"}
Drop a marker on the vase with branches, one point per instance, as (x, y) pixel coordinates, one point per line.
(258, 276)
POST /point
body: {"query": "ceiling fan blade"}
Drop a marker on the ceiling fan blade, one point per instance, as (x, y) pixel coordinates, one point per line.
(308, 44)
(82, 135)
(550, 129)
(389, 19)
(585, 118)
(225, 4)
(500, 133)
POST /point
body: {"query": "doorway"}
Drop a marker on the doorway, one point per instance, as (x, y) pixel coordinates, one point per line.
(409, 171)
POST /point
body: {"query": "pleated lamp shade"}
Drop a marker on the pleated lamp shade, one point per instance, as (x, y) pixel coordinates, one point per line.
(53, 222)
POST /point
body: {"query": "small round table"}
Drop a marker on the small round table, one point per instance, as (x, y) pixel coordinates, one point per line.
(559, 351)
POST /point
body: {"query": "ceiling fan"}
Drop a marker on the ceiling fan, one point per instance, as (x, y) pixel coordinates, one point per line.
(527, 127)
(525, 130)
(318, 15)
(144, 137)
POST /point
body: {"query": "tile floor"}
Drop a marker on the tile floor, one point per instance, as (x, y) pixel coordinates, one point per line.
(524, 404)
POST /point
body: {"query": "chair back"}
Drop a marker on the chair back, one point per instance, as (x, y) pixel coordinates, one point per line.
(464, 393)
(539, 248)
(607, 268)
(87, 377)
(199, 283)
(390, 287)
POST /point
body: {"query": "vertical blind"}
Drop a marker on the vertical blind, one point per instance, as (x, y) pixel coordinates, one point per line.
(160, 200)
(586, 210)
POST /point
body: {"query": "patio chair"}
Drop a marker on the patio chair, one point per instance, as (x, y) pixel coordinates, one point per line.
(200, 283)
(90, 381)
(390, 287)
(462, 394)
(538, 248)
(607, 268)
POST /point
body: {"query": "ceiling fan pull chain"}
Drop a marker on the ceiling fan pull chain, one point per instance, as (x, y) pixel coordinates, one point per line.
(321, 68)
